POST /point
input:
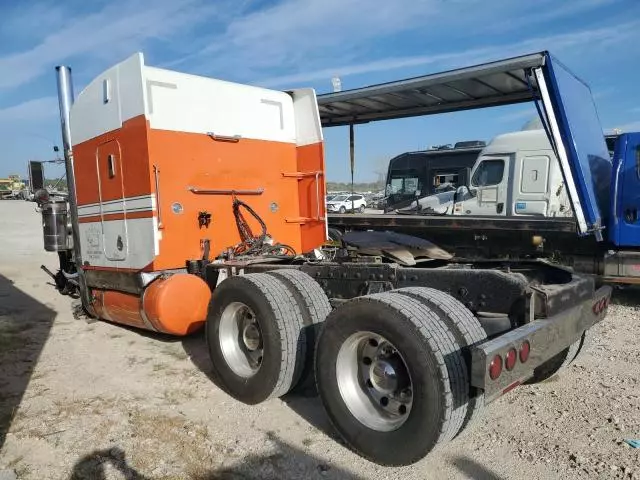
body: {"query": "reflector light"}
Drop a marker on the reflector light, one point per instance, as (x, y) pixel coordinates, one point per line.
(600, 306)
(511, 387)
(525, 349)
(495, 367)
(510, 359)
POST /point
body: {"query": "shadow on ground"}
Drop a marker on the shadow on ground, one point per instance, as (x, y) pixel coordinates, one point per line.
(628, 296)
(283, 462)
(93, 466)
(472, 469)
(25, 325)
(305, 403)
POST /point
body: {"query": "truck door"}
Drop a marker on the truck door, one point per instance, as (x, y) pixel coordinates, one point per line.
(531, 195)
(489, 183)
(112, 203)
(626, 192)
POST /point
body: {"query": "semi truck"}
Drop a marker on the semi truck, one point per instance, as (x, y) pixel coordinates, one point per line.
(516, 175)
(174, 225)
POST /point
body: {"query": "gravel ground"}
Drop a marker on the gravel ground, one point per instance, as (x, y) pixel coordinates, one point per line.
(98, 401)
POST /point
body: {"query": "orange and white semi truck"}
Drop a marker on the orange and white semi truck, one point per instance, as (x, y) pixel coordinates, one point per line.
(196, 203)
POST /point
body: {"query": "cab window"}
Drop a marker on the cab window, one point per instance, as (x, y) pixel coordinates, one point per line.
(488, 173)
(404, 185)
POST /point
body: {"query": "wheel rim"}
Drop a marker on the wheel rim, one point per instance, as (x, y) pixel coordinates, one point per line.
(374, 381)
(241, 339)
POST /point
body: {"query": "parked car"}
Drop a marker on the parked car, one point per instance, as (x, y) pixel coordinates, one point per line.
(345, 203)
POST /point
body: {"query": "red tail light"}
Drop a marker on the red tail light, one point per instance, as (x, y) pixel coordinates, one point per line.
(510, 359)
(525, 349)
(600, 306)
(495, 367)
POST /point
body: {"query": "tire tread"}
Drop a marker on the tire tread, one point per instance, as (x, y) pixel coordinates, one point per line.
(465, 327)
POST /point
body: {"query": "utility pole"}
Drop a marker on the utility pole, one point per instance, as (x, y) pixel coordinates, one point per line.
(352, 159)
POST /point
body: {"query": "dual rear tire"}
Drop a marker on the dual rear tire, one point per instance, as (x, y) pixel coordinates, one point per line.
(392, 369)
(427, 373)
(261, 331)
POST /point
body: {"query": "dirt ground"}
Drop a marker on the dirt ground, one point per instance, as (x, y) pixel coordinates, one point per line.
(98, 401)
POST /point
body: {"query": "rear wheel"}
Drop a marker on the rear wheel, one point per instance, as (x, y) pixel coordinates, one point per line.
(466, 329)
(314, 306)
(255, 337)
(361, 209)
(391, 377)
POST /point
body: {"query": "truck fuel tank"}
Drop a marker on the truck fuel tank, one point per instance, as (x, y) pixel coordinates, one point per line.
(176, 305)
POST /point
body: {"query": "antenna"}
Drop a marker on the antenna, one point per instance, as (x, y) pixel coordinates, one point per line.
(337, 84)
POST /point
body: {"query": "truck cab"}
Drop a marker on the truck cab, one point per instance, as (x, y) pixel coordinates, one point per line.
(624, 222)
(517, 174)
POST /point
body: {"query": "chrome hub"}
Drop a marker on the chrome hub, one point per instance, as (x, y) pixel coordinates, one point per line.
(383, 376)
(240, 339)
(251, 336)
(374, 381)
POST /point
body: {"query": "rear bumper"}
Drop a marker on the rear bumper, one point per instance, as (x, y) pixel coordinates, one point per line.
(547, 337)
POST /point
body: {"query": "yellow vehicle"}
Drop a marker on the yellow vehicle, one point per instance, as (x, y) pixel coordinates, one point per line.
(11, 187)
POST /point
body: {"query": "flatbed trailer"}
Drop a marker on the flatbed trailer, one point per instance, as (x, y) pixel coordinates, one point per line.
(494, 237)
(160, 167)
(521, 221)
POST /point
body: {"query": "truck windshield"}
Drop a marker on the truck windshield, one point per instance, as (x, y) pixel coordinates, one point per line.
(488, 173)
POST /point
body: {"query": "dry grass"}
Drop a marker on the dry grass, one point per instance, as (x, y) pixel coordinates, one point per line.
(183, 442)
(21, 469)
(84, 406)
(39, 375)
(166, 369)
(176, 396)
(176, 353)
(137, 360)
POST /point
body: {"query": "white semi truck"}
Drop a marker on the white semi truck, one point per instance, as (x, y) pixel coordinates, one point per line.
(516, 174)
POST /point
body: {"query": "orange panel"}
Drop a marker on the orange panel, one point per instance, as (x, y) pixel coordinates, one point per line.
(288, 205)
(311, 196)
(129, 144)
(188, 159)
(118, 307)
(177, 304)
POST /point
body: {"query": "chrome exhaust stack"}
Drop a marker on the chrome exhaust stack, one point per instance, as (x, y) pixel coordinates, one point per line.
(68, 262)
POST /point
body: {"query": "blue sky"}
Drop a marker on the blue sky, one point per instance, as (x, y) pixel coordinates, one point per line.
(302, 43)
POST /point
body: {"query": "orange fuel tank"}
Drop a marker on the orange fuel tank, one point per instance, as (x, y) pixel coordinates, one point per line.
(176, 305)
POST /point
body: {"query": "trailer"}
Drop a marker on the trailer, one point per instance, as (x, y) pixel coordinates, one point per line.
(524, 210)
(196, 204)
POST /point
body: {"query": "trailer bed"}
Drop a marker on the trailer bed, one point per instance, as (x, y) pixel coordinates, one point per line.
(394, 221)
(483, 236)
